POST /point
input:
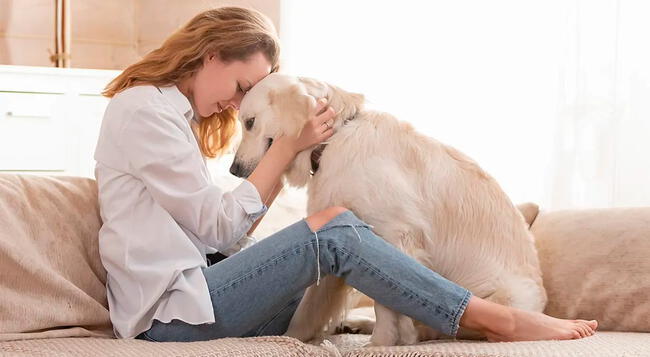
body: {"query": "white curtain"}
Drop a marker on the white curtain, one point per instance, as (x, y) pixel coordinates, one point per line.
(550, 97)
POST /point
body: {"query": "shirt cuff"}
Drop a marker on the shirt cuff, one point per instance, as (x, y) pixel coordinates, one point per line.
(247, 196)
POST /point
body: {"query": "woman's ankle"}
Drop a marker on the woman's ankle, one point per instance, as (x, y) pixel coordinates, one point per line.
(487, 317)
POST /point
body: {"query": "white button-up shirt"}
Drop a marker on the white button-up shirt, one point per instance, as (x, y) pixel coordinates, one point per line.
(161, 212)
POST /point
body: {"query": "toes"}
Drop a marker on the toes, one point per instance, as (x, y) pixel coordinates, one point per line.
(575, 335)
(579, 330)
(590, 327)
(593, 324)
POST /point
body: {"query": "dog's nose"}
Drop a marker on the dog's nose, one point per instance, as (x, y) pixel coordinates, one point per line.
(235, 169)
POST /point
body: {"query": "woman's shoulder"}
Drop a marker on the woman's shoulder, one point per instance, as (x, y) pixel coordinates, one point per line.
(139, 102)
(137, 96)
(142, 105)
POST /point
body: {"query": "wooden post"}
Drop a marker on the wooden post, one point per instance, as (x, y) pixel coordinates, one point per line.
(67, 39)
(62, 37)
(58, 39)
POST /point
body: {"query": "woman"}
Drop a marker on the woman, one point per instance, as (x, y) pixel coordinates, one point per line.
(162, 214)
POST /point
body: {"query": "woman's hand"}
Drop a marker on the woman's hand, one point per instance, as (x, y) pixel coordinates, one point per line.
(317, 129)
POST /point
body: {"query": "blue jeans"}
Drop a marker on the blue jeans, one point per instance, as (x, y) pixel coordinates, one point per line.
(256, 291)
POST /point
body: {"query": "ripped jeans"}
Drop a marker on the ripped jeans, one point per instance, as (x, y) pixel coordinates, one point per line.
(256, 291)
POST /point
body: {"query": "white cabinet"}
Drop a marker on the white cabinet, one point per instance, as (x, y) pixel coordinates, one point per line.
(50, 119)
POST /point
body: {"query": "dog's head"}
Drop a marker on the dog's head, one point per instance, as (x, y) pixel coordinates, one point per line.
(280, 105)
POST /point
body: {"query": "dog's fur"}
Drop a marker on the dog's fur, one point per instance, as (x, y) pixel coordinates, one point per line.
(428, 199)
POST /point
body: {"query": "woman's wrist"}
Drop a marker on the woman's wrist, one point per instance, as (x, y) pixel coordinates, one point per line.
(273, 164)
(287, 144)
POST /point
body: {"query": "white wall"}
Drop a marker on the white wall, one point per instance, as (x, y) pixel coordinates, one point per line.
(547, 96)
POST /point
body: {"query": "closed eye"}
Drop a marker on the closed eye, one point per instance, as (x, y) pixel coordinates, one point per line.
(248, 124)
(242, 90)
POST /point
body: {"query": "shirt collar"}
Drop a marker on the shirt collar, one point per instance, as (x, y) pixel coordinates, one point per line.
(179, 101)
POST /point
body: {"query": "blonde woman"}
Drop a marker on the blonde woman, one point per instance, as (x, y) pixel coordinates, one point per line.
(162, 214)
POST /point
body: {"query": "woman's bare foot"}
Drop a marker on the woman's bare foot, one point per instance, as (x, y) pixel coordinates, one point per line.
(502, 323)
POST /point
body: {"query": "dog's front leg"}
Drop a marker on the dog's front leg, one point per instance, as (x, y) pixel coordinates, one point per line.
(408, 334)
(386, 332)
(319, 304)
(392, 328)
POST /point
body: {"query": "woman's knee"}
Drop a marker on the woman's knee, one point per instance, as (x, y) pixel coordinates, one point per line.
(319, 219)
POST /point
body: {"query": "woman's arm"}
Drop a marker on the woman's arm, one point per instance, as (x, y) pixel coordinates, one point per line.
(267, 202)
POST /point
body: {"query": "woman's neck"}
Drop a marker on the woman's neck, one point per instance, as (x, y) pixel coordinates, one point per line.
(185, 87)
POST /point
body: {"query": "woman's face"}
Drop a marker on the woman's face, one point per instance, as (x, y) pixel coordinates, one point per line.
(218, 86)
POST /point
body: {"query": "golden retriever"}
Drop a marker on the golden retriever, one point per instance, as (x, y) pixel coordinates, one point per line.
(426, 198)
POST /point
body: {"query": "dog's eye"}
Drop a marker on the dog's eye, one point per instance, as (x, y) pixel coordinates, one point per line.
(249, 123)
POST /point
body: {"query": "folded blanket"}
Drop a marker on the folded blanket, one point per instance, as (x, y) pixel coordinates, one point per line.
(52, 282)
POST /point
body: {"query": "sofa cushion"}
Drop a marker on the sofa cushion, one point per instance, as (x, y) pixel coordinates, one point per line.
(596, 265)
(602, 344)
(53, 282)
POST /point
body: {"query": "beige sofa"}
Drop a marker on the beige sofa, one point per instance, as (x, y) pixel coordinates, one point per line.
(596, 264)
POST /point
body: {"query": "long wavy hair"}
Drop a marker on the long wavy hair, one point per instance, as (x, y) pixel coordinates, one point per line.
(233, 33)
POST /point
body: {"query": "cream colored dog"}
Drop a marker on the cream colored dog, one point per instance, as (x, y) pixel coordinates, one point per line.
(428, 199)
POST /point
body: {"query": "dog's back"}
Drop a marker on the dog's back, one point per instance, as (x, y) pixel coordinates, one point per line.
(434, 203)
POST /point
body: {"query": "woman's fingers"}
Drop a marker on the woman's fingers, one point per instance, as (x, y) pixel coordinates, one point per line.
(326, 115)
(321, 106)
(323, 119)
(319, 127)
(326, 119)
(322, 110)
(325, 126)
(326, 134)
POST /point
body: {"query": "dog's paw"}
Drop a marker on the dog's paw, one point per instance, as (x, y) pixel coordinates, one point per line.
(358, 321)
(384, 337)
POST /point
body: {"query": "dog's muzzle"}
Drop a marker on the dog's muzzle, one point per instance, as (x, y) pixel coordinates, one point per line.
(238, 169)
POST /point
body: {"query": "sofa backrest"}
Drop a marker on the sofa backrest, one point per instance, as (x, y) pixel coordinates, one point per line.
(596, 265)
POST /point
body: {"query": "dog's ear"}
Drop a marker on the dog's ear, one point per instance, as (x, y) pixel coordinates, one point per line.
(346, 104)
(292, 105)
(530, 211)
(315, 88)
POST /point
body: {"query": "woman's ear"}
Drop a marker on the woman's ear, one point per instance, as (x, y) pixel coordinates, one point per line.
(210, 56)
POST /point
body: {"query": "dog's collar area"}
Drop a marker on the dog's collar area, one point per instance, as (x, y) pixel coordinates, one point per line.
(315, 158)
(318, 151)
